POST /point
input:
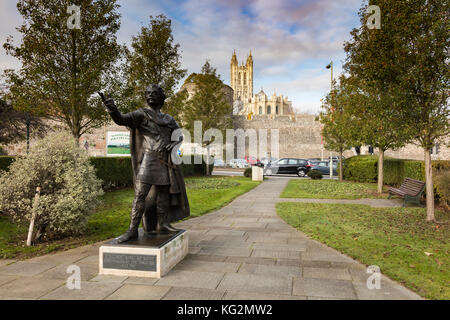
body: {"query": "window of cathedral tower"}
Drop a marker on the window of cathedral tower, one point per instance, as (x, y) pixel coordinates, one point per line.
(276, 109)
(268, 110)
(260, 110)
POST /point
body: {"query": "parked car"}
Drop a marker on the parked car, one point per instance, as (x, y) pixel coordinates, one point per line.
(251, 160)
(324, 166)
(266, 160)
(238, 163)
(288, 166)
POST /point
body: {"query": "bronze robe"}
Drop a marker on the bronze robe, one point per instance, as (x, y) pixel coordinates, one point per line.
(179, 204)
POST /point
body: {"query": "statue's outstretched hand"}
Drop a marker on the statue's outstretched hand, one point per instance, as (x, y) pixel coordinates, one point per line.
(109, 103)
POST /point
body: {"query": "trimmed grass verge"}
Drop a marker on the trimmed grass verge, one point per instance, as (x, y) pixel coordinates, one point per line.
(330, 189)
(112, 217)
(398, 240)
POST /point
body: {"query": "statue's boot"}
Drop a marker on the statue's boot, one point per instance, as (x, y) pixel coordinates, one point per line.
(164, 225)
(167, 227)
(133, 231)
(135, 218)
(162, 207)
(127, 236)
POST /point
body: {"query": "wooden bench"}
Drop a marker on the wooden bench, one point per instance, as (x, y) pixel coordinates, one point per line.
(410, 190)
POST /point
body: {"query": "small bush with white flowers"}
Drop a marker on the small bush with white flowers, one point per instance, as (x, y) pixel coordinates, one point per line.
(70, 189)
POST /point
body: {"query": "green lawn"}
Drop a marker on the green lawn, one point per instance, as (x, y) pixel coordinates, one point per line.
(330, 189)
(118, 150)
(395, 239)
(111, 218)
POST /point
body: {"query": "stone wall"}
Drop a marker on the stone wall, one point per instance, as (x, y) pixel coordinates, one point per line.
(299, 136)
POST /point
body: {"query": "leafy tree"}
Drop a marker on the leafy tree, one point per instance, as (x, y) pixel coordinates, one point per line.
(13, 124)
(62, 68)
(154, 59)
(208, 104)
(339, 126)
(401, 71)
(425, 77)
(176, 104)
(374, 71)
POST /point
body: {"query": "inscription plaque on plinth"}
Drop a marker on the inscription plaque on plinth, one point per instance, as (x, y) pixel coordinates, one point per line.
(148, 256)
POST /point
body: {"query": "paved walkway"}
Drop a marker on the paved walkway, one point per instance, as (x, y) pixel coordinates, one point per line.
(242, 251)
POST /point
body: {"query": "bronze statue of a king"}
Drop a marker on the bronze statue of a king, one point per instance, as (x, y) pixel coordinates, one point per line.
(160, 193)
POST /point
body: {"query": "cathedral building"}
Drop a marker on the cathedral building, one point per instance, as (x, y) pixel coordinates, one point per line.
(241, 81)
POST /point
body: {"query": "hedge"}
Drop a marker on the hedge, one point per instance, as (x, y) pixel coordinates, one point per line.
(365, 169)
(117, 171)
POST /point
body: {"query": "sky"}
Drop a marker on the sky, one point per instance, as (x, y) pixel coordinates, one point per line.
(291, 41)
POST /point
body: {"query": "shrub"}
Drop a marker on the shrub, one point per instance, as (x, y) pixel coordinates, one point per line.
(69, 187)
(248, 172)
(113, 171)
(315, 174)
(361, 169)
(443, 187)
(365, 169)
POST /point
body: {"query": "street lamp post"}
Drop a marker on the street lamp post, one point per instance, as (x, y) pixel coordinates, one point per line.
(330, 66)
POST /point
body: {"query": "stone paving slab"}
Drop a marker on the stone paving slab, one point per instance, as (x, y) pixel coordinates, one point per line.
(252, 260)
(223, 243)
(4, 262)
(29, 287)
(324, 288)
(256, 283)
(60, 258)
(87, 272)
(88, 291)
(326, 273)
(280, 247)
(193, 294)
(233, 295)
(141, 281)
(263, 253)
(138, 292)
(221, 251)
(282, 271)
(108, 278)
(211, 266)
(6, 279)
(192, 279)
(25, 268)
(205, 257)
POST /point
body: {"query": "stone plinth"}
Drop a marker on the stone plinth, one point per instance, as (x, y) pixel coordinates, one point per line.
(151, 256)
(257, 173)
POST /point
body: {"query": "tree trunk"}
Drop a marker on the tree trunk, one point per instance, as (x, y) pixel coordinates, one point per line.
(33, 216)
(429, 185)
(341, 174)
(380, 170)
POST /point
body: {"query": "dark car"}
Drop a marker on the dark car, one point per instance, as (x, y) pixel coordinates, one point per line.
(324, 166)
(288, 166)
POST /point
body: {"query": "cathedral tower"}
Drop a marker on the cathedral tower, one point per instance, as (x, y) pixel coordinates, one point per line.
(241, 78)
